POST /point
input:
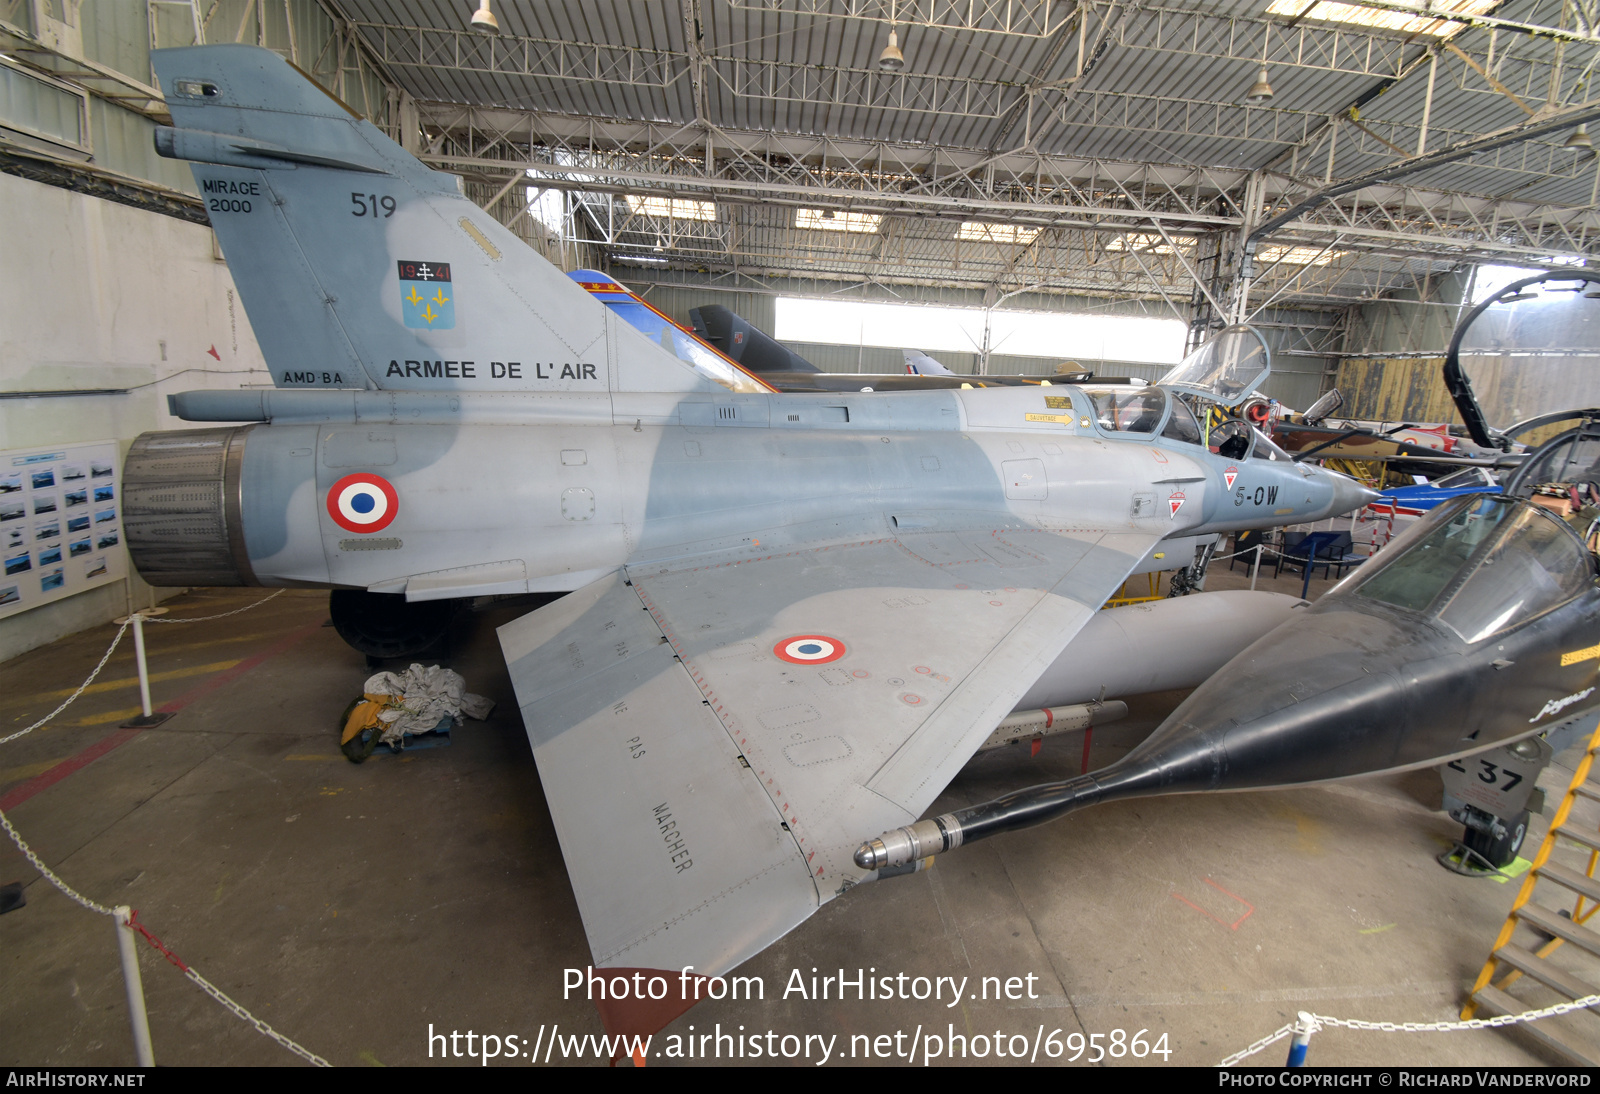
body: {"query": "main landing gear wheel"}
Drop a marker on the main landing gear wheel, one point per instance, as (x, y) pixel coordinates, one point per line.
(1501, 851)
(383, 625)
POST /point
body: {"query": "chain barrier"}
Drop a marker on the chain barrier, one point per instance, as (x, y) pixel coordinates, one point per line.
(115, 641)
(219, 615)
(133, 919)
(1320, 1021)
(216, 993)
(109, 650)
(48, 874)
(1266, 1042)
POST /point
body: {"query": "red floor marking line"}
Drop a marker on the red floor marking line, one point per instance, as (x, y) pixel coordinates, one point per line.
(1234, 926)
(87, 756)
(47, 779)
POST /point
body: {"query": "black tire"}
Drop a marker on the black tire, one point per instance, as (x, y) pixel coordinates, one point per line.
(1502, 851)
(386, 626)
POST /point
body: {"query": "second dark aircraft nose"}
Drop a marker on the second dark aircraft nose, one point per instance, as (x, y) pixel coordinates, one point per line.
(1314, 699)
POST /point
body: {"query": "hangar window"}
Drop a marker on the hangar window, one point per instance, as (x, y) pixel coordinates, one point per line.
(1328, 11)
(831, 221)
(1150, 243)
(37, 107)
(1297, 256)
(979, 232)
(677, 208)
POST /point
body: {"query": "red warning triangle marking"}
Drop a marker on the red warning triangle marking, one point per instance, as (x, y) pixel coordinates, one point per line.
(1176, 502)
(1229, 475)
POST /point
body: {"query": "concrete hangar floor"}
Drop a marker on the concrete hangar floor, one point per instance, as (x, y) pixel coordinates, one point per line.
(356, 908)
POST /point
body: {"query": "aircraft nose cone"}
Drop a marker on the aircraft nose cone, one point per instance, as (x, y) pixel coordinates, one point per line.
(1310, 701)
(1349, 494)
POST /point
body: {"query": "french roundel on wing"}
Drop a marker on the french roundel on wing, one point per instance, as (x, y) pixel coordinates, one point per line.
(809, 649)
(363, 503)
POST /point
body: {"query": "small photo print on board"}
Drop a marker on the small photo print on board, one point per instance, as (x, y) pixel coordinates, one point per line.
(79, 547)
(94, 567)
(77, 497)
(44, 503)
(107, 539)
(49, 556)
(47, 529)
(78, 524)
(44, 480)
(104, 516)
(52, 580)
(100, 469)
(10, 482)
(13, 510)
(16, 564)
(104, 493)
(72, 472)
(10, 594)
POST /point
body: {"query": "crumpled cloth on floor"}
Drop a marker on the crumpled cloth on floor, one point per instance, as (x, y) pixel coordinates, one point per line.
(418, 700)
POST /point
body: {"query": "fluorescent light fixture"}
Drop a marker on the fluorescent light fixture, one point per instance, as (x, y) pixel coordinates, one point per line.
(678, 208)
(1426, 21)
(830, 221)
(981, 232)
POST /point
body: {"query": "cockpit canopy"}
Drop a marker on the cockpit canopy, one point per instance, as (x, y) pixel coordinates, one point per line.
(1479, 565)
(1226, 369)
(1127, 409)
(1141, 410)
(1530, 350)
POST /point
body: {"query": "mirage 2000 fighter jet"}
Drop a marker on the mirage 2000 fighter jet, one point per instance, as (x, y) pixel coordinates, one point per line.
(790, 619)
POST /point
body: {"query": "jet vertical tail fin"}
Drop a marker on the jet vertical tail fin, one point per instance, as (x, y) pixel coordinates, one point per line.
(920, 364)
(361, 267)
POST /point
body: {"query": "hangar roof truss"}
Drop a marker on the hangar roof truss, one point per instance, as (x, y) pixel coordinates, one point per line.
(1093, 122)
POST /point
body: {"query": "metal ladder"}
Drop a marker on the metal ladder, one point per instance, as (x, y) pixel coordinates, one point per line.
(1514, 960)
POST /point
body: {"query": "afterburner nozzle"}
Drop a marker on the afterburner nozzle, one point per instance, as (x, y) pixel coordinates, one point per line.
(917, 841)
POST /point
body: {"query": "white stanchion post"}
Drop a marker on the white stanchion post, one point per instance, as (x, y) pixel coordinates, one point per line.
(1256, 568)
(127, 945)
(138, 655)
(148, 717)
(1300, 1042)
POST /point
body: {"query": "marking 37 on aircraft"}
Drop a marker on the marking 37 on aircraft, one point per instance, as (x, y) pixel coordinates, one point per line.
(789, 619)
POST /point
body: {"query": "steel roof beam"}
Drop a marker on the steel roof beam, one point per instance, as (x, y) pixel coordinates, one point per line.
(914, 180)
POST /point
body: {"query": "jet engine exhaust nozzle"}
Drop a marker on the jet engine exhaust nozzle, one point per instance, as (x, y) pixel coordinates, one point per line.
(181, 509)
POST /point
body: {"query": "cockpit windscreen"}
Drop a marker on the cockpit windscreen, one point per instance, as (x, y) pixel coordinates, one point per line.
(1479, 565)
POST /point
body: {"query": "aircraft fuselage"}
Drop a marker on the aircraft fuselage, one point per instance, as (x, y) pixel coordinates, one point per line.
(484, 504)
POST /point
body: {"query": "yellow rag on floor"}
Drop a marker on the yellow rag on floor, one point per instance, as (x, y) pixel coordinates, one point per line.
(365, 715)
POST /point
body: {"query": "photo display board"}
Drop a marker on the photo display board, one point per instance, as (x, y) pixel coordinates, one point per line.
(60, 523)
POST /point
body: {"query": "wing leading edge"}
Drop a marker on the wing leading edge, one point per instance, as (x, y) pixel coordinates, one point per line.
(716, 736)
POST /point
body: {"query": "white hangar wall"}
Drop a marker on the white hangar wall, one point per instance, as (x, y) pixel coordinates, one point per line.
(95, 295)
